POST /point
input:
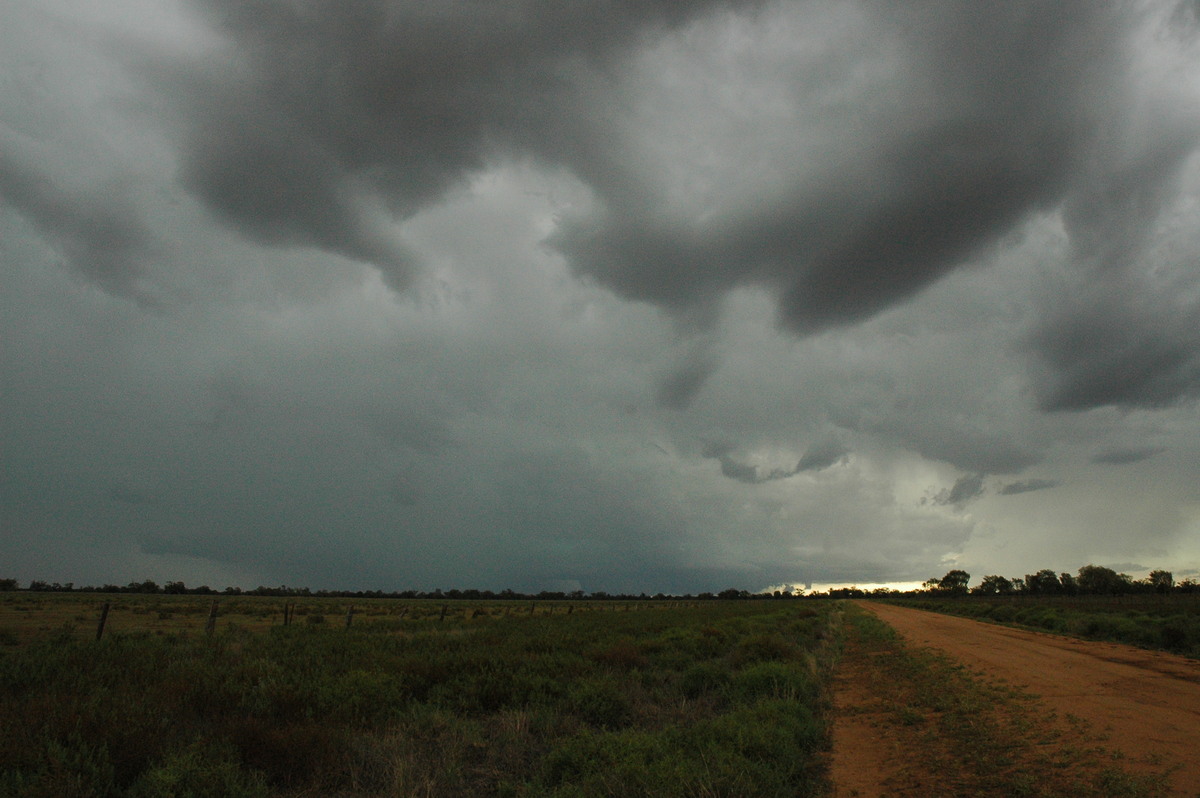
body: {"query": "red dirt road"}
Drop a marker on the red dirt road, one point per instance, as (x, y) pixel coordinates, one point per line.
(1146, 703)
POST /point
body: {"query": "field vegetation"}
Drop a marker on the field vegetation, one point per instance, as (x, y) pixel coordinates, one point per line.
(411, 698)
(1096, 604)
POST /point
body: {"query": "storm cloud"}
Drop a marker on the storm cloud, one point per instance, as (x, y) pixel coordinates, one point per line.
(667, 295)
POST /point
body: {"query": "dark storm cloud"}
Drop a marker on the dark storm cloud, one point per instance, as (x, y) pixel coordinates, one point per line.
(1027, 486)
(815, 458)
(97, 229)
(741, 471)
(1126, 456)
(965, 489)
(679, 388)
(821, 455)
(331, 113)
(1123, 345)
(997, 115)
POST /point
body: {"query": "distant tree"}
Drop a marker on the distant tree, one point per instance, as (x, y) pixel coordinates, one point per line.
(1162, 581)
(954, 582)
(9, 584)
(1069, 585)
(993, 585)
(1098, 580)
(1018, 585)
(1043, 583)
(175, 588)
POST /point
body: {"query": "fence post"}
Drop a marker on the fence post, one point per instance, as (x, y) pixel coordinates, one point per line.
(442, 617)
(103, 618)
(349, 616)
(211, 625)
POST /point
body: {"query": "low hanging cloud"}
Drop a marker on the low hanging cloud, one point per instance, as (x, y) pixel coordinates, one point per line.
(1027, 486)
(1127, 456)
(325, 120)
(816, 458)
(98, 230)
(822, 455)
(966, 489)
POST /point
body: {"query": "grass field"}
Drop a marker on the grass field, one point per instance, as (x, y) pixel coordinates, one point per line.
(1170, 623)
(414, 698)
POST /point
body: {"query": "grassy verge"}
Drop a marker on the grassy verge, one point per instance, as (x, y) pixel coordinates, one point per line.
(723, 698)
(1169, 624)
(965, 736)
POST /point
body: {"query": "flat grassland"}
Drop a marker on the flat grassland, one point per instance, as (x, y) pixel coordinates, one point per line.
(411, 697)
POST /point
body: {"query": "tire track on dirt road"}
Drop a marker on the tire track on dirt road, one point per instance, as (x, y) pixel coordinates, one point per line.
(1144, 704)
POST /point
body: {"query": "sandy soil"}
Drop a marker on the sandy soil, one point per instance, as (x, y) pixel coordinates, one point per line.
(1144, 704)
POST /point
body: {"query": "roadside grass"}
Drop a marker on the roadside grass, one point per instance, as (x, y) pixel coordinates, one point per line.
(717, 698)
(980, 738)
(1167, 623)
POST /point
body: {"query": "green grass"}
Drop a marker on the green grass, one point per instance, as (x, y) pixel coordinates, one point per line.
(720, 698)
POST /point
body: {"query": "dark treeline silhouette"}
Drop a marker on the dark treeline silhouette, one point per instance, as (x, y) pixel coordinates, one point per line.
(149, 586)
(1091, 580)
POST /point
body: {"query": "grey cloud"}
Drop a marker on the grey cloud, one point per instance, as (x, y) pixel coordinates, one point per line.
(97, 229)
(329, 109)
(1129, 347)
(678, 389)
(965, 489)
(334, 110)
(1127, 456)
(1008, 99)
(1027, 486)
(736, 469)
(821, 455)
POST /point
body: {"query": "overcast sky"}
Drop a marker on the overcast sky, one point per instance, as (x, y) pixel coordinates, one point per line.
(634, 295)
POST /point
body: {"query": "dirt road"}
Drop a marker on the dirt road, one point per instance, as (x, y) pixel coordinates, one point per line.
(1145, 704)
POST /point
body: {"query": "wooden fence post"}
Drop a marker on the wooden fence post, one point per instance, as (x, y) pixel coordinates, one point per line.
(442, 617)
(349, 616)
(211, 625)
(103, 618)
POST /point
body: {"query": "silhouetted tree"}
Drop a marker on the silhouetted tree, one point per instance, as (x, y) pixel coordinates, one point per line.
(1069, 585)
(954, 582)
(1043, 583)
(1098, 580)
(1162, 581)
(993, 585)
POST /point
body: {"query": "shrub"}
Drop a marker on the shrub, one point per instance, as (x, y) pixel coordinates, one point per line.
(702, 679)
(774, 680)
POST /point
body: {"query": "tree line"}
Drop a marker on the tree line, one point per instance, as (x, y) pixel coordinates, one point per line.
(1091, 580)
(149, 586)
